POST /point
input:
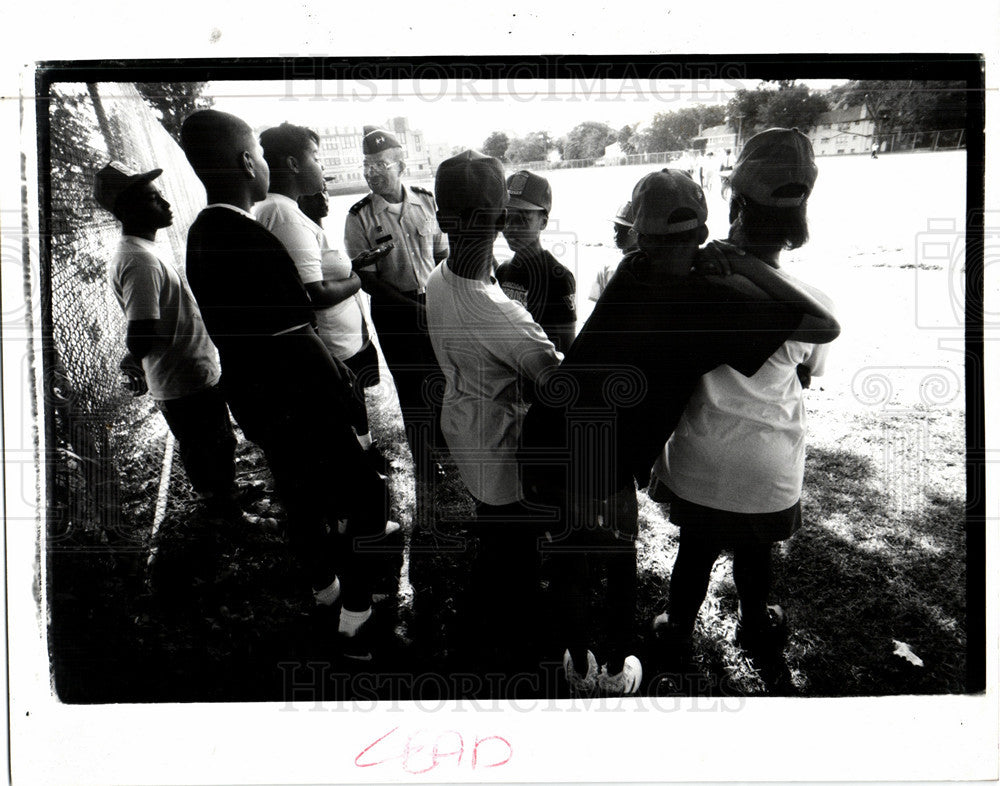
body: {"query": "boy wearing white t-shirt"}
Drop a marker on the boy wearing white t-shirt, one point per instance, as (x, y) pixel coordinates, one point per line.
(733, 467)
(170, 354)
(490, 350)
(333, 287)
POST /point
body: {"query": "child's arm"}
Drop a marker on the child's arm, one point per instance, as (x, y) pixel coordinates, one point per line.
(818, 325)
(325, 293)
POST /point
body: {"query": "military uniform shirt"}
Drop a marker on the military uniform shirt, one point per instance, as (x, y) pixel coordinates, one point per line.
(419, 242)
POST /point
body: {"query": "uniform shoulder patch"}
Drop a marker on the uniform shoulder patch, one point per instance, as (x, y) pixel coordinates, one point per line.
(357, 206)
(419, 190)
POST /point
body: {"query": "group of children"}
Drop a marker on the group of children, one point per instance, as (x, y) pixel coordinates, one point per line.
(687, 378)
(690, 379)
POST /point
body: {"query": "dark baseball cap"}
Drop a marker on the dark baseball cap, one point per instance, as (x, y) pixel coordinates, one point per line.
(470, 180)
(667, 203)
(774, 159)
(625, 215)
(529, 191)
(115, 178)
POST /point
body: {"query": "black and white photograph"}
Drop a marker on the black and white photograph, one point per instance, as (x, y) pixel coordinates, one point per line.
(499, 385)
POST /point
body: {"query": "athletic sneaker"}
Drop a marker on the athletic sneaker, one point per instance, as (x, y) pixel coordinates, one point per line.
(767, 640)
(580, 686)
(391, 528)
(624, 683)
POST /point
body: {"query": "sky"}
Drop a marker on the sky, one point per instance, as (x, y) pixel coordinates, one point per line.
(464, 113)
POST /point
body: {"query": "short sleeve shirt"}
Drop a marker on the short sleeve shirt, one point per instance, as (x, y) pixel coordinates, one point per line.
(601, 282)
(486, 346)
(546, 288)
(339, 326)
(417, 239)
(740, 444)
(149, 289)
(603, 417)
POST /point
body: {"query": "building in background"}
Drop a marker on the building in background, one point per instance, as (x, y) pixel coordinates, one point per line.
(340, 152)
(843, 131)
(717, 139)
(438, 152)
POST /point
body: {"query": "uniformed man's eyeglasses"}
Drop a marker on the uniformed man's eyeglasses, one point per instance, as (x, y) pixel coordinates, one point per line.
(376, 166)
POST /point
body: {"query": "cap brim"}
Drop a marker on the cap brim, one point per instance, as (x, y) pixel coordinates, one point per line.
(145, 177)
(621, 222)
(520, 204)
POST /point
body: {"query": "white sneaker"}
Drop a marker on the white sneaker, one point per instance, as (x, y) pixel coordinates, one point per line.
(625, 683)
(392, 527)
(580, 685)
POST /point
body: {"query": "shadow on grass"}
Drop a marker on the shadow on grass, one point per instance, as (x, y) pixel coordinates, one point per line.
(863, 572)
(231, 621)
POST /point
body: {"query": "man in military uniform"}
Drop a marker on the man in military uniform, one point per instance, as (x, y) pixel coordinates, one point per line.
(404, 216)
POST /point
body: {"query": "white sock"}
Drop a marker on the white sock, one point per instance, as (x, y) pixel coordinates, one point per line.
(350, 621)
(328, 596)
(365, 440)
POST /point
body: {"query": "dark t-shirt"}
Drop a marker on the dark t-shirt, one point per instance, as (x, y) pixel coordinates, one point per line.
(245, 283)
(604, 415)
(248, 292)
(543, 286)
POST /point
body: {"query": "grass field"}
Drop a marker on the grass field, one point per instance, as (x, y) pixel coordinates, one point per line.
(882, 555)
(880, 558)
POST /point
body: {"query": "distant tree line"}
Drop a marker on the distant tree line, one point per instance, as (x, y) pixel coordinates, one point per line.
(895, 106)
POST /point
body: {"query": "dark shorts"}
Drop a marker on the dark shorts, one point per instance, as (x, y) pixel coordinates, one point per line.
(726, 527)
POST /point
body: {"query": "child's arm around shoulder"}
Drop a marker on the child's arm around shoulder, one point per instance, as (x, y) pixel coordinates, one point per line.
(818, 325)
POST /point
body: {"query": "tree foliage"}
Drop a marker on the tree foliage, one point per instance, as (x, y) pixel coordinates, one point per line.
(628, 140)
(906, 105)
(496, 145)
(793, 106)
(534, 146)
(781, 103)
(174, 101)
(675, 130)
(588, 140)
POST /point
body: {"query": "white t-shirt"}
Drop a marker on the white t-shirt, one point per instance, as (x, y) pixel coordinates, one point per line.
(339, 326)
(485, 343)
(740, 444)
(601, 282)
(148, 288)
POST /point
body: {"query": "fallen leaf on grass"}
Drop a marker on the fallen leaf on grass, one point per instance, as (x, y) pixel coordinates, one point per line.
(903, 650)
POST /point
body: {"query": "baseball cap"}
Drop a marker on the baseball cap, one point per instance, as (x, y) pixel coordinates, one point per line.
(529, 191)
(377, 139)
(115, 178)
(470, 180)
(773, 159)
(664, 202)
(625, 215)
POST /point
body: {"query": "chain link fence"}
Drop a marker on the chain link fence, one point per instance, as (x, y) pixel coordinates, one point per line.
(108, 445)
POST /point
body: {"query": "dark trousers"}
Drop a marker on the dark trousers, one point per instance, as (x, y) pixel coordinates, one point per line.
(320, 486)
(696, 555)
(200, 423)
(503, 602)
(402, 335)
(577, 554)
(321, 477)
